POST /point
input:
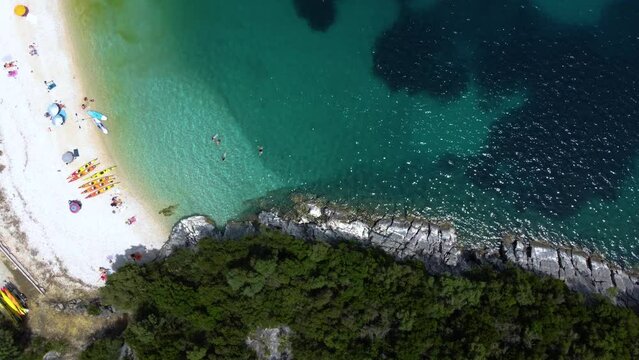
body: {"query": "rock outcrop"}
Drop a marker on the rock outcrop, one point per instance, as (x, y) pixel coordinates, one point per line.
(187, 232)
(271, 343)
(81, 307)
(435, 244)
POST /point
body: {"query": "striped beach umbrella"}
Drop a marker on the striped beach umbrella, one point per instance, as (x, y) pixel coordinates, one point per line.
(75, 206)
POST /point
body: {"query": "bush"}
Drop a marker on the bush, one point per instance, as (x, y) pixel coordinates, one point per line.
(345, 301)
(103, 349)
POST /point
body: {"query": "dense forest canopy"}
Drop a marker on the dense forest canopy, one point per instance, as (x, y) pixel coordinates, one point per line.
(347, 302)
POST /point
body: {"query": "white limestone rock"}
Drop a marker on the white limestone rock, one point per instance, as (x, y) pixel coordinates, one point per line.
(188, 232)
(544, 259)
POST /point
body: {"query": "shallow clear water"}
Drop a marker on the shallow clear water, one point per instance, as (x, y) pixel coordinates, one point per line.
(505, 116)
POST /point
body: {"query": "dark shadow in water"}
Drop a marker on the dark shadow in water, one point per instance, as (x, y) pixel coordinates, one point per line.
(575, 136)
(416, 57)
(320, 14)
(432, 51)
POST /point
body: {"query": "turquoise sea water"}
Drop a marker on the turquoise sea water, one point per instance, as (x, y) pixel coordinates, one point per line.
(442, 108)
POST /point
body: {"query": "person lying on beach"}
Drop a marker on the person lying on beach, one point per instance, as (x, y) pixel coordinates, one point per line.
(10, 64)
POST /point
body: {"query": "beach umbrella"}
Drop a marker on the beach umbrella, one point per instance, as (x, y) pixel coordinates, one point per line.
(68, 157)
(57, 120)
(75, 206)
(20, 10)
(53, 109)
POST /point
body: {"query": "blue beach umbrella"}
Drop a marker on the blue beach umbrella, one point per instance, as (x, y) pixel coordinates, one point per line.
(57, 120)
(53, 109)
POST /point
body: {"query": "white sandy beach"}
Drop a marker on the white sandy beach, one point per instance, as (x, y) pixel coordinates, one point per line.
(34, 181)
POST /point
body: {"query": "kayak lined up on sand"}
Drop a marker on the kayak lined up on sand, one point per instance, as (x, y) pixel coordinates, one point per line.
(84, 172)
(9, 314)
(99, 186)
(12, 303)
(17, 294)
(96, 181)
(82, 168)
(100, 173)
(101, 190)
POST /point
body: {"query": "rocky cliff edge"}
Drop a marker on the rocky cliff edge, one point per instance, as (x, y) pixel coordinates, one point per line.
(434, 244)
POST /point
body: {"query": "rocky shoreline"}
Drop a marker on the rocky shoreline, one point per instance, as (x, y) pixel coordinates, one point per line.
(434, 244)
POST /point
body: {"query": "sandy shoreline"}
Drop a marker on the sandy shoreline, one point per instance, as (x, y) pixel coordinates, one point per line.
(38, 226)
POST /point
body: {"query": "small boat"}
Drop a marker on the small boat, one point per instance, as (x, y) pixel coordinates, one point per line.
(99, 185)
(96, 181)
(84, 172)
(101, 126)
(82, 168)
(96, 115)
(100, 173)
(101, 190)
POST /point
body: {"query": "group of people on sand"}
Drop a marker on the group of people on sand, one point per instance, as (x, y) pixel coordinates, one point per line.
(218, 141)
(85, 102)
(104, 273)
(12, 68)
(32, 49)
(116, 203)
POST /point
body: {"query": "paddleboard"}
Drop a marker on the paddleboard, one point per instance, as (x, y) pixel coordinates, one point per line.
(101, 126)
(96, 115)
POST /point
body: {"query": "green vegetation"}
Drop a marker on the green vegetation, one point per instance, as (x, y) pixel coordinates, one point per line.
(348, 302)
(103, 349)
(18, 343)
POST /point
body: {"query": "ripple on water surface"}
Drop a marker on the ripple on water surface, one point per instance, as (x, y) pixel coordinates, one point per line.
(499, 115)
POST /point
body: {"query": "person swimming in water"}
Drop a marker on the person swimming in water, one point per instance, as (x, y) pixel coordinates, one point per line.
(260, 150)
(224, 156)
(216, 139)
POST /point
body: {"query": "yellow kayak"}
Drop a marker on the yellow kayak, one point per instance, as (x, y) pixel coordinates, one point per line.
(8, 314)
(13, 307)
(98, 186)
(15, 301)
(101, 190)
(81, 169)
(96, 181)
(100, 173)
